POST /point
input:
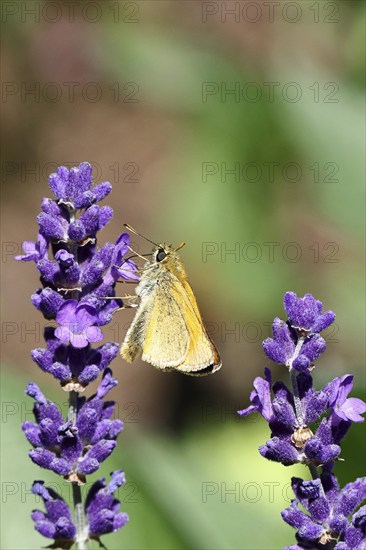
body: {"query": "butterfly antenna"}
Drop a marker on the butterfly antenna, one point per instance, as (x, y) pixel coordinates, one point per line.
(136, 253)
(128, 226)
(180, 246)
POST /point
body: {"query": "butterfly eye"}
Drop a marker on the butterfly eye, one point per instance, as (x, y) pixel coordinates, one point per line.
(161, 255)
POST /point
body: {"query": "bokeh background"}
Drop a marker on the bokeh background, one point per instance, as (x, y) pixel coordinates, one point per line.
(240, 133)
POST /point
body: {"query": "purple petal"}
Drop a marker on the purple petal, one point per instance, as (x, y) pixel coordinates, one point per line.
(71, 447)
(315, 404)
(101, 191)
(311, 531)
(324, 321)
(345, 387)
(93, 273)
(295, 517)
(284, 412)
(108, 352)
(79, 340)
(281, 348)
(49, 206)
(351, 496)
(282, 335)
(94, 334)
(48, 301)
(87, 423)
(65, 529)
(90, 220)
(47, 459)
(320, 453)
(85, 170)
(127, 271)
(66, 313)
(61, 371)
(88, 465)
(107, 383)
(34, 391)
(31, 252)
(51, 227)
(48, 432)
(122, 243)
(64, 334)
(45, 527)
(359, 519)
(117, 480)
(105, 215)
(85, 315)
(279, 450)
(120, 521)
(274, 351)
(313, 347)
(57, 181)
(88, 374)
(31, 432)
(97, 454)
(352, 409)
(102, 509)
(48, 270)
(247, 411)
(263, 397)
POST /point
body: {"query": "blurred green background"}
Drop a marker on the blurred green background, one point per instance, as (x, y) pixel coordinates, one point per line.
(241, 134)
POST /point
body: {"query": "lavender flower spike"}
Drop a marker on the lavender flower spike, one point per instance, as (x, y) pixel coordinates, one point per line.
(307, 427)
(68, 450)
(78, 281)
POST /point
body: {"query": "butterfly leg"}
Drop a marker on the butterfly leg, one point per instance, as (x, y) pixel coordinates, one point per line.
(125, 306)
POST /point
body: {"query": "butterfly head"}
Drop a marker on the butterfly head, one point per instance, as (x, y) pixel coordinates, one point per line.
(161, 253)
(166, 256)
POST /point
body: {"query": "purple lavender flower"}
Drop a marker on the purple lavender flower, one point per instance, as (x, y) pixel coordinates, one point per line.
(302, 432)
(119, 267)
(78, 281)
(261, 397)
(77, 324)
(73, 451)
(292, 440)
(33, 251)
(101, 511)
(330, 512)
